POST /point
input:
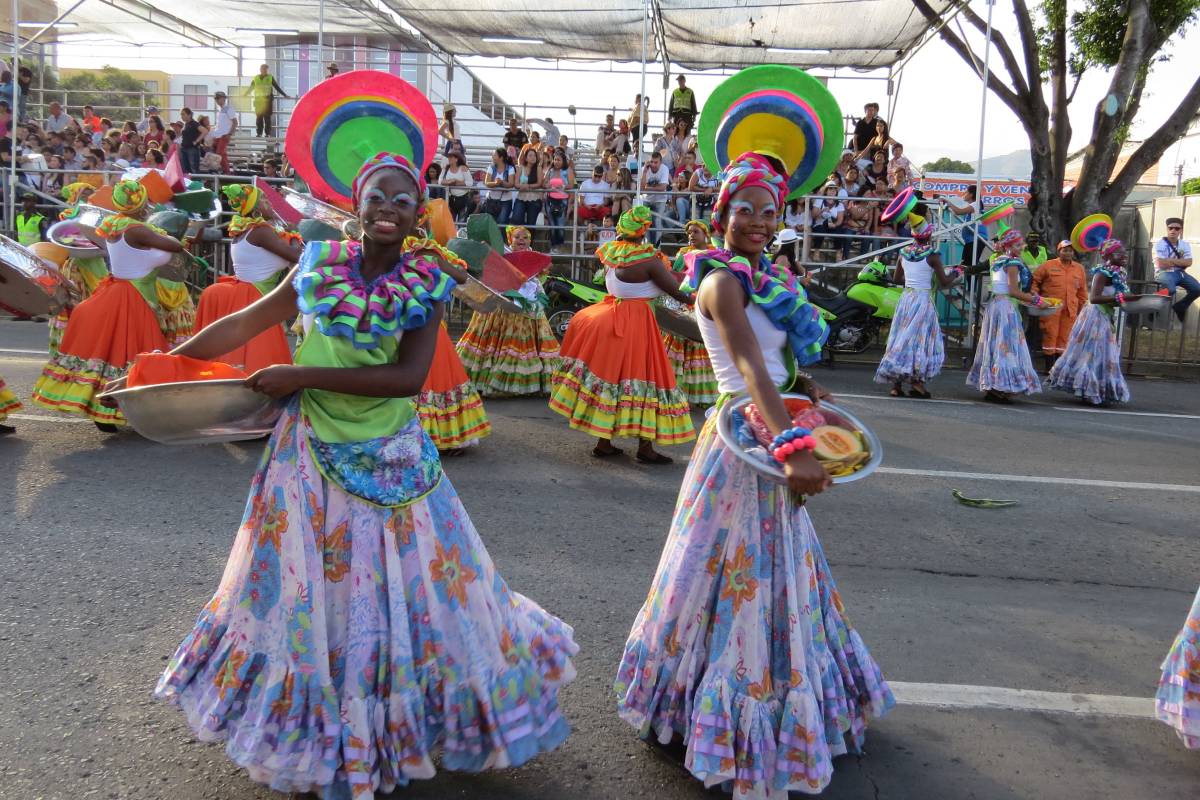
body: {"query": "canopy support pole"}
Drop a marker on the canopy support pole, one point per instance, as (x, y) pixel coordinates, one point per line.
(12, 166)
(987, 55)
(49, 25)
(320, 38)
(642, 121)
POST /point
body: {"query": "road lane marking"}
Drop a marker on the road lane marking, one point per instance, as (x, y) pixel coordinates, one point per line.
(915, 400)
(1127, 413)
(24, 352)
(999, 698)
(44, 418)
(990, 476)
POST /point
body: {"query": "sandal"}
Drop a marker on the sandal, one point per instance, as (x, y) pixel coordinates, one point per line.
(897, 391)
(653, 458)
(615, 451)
(920, 394)
(452, 452)
(992, 396)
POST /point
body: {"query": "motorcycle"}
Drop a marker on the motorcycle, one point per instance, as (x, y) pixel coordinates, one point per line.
(857, 315)
(567, 297)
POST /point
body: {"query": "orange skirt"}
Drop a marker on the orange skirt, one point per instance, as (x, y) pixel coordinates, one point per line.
(615, 378)
(104, 334)
(449, 407)
(228, 296)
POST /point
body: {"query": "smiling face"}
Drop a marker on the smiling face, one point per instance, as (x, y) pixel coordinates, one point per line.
(388, 207)
(750, 221)
(520, 240)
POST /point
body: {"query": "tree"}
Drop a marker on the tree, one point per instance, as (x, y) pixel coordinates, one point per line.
(109, 88)
(947, 164)
(1054, 50)
(1191, 186)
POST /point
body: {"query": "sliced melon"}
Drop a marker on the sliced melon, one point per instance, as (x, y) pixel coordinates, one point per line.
(834, 443)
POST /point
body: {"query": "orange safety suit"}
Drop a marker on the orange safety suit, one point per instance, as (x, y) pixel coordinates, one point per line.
(1069, 283)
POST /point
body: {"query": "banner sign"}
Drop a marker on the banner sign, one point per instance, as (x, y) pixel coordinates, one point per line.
(995, 191)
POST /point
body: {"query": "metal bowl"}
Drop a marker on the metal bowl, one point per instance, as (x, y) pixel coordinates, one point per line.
(674, 317)
(483, 299)
(1146, 304)
(1042, 311)
(30, 285)
(313, 208)
(770, 470)
(198, 412)
(67, 234)
(89, 218)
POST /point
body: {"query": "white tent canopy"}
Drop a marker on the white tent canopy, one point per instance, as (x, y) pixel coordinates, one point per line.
(693, 33)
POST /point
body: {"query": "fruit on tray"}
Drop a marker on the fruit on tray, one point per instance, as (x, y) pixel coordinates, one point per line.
(835, 444)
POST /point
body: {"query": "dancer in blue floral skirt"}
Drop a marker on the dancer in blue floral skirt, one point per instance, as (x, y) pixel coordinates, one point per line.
(1002, 364)
(1090, 367)
(360, 625)
(743, 651)
(915, 351)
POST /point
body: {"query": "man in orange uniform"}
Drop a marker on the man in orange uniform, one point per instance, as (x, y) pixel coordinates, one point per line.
(1064, 278)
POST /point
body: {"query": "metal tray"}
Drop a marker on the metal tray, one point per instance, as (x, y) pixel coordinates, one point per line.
(770, 470)
(198, 412)
(313, 208)
(67, 234)
(484, 300)
(1044, 311)
(674, 317)
(1146, 304)
(30, 285)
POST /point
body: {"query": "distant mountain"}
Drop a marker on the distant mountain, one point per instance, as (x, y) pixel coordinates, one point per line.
(1017, 164)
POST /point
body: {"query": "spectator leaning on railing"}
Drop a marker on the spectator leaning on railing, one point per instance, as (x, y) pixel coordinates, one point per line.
(458, 181)
(500, 180)
(594, 201)
(655, 185)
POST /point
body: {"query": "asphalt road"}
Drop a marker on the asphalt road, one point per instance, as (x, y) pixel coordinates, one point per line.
(111, 544)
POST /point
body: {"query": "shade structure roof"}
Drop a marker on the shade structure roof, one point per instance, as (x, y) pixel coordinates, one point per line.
(693, 33)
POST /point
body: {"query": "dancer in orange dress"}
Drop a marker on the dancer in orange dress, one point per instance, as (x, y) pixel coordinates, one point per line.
(615, 378)
(262, 254)
(106, 331)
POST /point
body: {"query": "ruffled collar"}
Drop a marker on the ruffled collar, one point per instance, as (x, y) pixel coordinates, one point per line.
(916, 252)
(331, 287)
(112, 227)
(621, 253)
(240, 225)
(775, 290)
(1004, 262)
(1117, 276)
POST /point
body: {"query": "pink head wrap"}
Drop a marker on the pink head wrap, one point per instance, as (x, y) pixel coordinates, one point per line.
(748, 169)
(386, 161)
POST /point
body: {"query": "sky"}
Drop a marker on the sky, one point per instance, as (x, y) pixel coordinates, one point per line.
(936, 108)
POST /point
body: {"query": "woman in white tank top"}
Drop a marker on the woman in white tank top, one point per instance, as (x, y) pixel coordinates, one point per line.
(614, 377)
(915, 351)
(262, 254)
(119, 320)
(743, 621)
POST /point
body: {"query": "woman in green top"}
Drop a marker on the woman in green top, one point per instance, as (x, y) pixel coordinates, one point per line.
(360, 622)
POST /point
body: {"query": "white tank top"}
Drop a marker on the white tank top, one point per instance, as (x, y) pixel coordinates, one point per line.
(629, 291)
(917, 274)
(252, 263)
(1000, 281)
(770, 340)
(130, 263)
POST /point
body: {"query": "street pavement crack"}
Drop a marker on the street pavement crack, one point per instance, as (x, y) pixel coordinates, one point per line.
(945, 573)
(866, 774)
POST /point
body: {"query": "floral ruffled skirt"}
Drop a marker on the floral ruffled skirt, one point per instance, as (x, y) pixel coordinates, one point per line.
(1090, 367)
(743, 648)
(1177, 702)
(915, 351)
(509, 354)
(349, 640)
(693, 369)
(1002, 360)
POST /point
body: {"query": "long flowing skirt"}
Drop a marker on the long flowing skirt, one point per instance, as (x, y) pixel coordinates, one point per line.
(349, 640)
(1178, 700)
(1090, 367)
(915, 351)
(450, 409)
(743, 648)
(9, 404)
(104, 334)
(230, 295)
(1002, 360)
(509, 354)
(693, 369)
(85, 273)
(615, 378)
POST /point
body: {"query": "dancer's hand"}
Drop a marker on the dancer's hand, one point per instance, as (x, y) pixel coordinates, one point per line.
(277, 380)
(112, 386)
(808, 385)
(805, 475)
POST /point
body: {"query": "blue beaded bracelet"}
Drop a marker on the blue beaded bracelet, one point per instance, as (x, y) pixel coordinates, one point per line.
(789, 435)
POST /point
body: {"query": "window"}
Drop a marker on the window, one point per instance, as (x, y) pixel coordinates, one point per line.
(195, 96)
(408, 67)
(151, 86)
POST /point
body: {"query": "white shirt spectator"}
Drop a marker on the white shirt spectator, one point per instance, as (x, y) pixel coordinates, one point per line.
(662, 177)
(1164, 249)
(463, 174)
(502, 195)
(594, 192)
(797, 219)
(829, 212)
(226, 119)
(58, 124)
